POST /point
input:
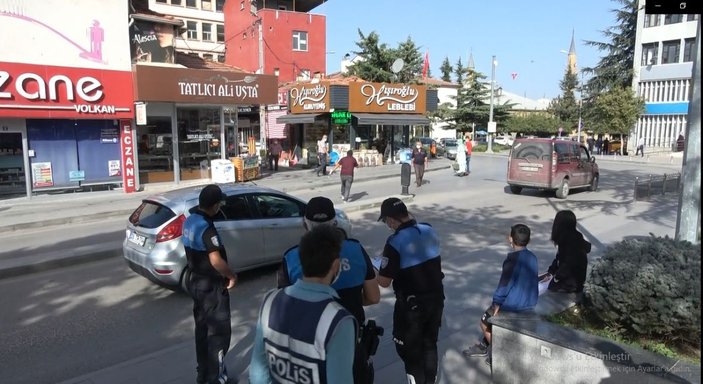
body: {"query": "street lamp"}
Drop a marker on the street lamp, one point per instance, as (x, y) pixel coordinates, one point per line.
(491, 124)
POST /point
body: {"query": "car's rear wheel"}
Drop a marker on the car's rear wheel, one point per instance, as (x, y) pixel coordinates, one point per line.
(514, 189)
(563, 189)
(185, 279)
(594, 184)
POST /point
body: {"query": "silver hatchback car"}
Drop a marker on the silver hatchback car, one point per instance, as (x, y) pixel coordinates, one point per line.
(256, 224)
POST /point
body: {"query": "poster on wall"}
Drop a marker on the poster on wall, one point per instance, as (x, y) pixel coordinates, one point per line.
(113, 167)
(151, 42)
(109, 135)
(42, 175)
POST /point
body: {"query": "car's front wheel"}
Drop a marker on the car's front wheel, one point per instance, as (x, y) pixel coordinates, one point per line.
(185, 280)
(594, 184)
(563, 189)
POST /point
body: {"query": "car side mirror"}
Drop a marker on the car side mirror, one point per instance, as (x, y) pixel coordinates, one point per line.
(593, 159)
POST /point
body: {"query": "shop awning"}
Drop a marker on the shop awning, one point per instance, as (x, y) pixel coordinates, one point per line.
(391, 119)
(299, 118)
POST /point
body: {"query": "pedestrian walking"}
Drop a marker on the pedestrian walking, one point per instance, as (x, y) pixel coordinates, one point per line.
(356, 285)
(606, 146)
(469, 149)
(590, 143)
(346, 174)
(274, 155)
(303, 334)
(599, 145)
(420, 159)
(411, 261)
(640, 146)
(322, 155)
(209, 285)
(461, 157)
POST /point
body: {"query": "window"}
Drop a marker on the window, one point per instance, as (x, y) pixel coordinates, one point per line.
(651, 20)
(236, 208)
(161, 1)
(649, 54)
(191, 3)
(689, 50)
(219, 5)
(273, 206)
(192, 31)
(220, 33)
(670, 51)
(276, 71)
(176, 2)
(692, 17)
(300, 41)
(206, 5)
(221, 58)
(207, 32)
(304, 74)
(672, 19)
(207, 56)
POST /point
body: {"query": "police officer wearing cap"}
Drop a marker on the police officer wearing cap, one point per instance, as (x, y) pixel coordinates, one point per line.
(356, 285)
(211, 278)
(411, 262)
(303, 334)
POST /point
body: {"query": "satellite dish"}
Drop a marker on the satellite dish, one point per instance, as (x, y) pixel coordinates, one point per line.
(397, 65)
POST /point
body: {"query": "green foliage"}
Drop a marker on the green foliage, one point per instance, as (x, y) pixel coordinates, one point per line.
(565, 107)
(472, 103)
(537, 124)
(459, 72)
(615, 67)
(378, 59)
(410, 53)
(614, 111)
(648, 288)
(446, 70)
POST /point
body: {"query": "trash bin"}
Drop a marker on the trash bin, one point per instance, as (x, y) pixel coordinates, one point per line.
(222, 171)
(405, 178)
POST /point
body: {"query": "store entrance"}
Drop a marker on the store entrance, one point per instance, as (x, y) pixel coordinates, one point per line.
(12, 181)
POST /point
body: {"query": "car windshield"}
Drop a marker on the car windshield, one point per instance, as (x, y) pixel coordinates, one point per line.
(450, 143)
(426, 140)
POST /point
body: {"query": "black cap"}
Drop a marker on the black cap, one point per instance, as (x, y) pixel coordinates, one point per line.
(210, 195)
(320, 209)
(393, 207)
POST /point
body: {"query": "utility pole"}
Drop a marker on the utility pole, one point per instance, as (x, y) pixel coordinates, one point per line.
(689, 215)
(491, 124)
(262, 108)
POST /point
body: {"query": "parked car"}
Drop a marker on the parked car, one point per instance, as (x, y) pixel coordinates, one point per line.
(431, 146)
(504, 140)
(256, 225)
(450, 147)
(551, 164)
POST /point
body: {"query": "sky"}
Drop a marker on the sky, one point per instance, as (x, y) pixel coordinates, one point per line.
(526, 37)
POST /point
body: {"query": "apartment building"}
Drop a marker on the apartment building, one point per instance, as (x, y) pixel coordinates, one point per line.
(204, 25)
(663, 75)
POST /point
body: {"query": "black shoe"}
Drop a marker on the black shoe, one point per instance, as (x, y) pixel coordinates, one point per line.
(476, 350)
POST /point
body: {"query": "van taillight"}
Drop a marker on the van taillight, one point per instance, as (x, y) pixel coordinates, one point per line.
(172, 231)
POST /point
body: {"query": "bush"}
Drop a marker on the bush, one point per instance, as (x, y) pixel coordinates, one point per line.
(496, 147)
(649, 287)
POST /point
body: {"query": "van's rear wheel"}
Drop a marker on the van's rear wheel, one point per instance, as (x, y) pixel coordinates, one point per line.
(594, 184)
(515, 190)
(563, 189)
(185, 280)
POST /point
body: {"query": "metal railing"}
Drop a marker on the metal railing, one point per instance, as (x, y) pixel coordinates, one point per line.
(645, 187)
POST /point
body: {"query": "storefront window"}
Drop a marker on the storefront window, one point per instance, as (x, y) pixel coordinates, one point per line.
(11, 164)
(198, 141)
(155, 150)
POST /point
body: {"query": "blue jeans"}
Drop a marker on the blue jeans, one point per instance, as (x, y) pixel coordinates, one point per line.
(346, 185)
(468, 160)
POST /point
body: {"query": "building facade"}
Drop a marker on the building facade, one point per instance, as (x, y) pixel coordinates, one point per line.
(203, 31)
(663, 73)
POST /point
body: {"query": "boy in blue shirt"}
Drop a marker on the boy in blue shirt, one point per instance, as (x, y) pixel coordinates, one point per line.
(517, 289)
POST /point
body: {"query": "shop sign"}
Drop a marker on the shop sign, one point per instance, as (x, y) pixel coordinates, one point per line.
(42, 175)
(387, 98)
(76, 175)
(283, 97)
(310, 98)
(129, 179)
(109, 135)
(341, 117)
(38, 91)
(182, 85)
(113, 168)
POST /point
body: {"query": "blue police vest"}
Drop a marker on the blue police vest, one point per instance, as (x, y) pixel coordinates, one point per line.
(196, 251)
(353, 265)
(417, 244)
(296, 350)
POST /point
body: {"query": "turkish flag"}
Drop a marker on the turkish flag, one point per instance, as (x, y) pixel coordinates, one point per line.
(426, 66)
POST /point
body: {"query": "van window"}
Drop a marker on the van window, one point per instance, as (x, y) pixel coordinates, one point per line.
(532, 150)
(584, 154)
(563, 152)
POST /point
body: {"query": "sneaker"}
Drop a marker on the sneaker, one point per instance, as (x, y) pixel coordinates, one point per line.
(343, 197)
(476, 350)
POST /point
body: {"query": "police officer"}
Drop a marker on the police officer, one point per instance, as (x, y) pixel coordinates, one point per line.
(411, 261)
(303, 334)
(356, 285)
(211, 278)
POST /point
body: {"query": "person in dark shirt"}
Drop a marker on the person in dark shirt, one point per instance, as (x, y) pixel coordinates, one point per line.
(411, 262)
(568, 270)
(420, 159)
(517, 289)
(347, 163)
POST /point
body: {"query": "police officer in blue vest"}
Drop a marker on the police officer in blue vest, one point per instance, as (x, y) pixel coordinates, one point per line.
(211, 278)
(356, 286)
(411, 262)
(303, 334)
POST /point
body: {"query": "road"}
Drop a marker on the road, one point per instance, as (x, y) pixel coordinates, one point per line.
(82, 318)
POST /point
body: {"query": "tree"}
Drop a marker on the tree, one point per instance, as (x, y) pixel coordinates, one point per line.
(446, 70)
(459, 72)
(565, 107)
(615, 67)
(615, 112)
(472, 109)
(376, 61)
(413, 61)
(539, 124)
